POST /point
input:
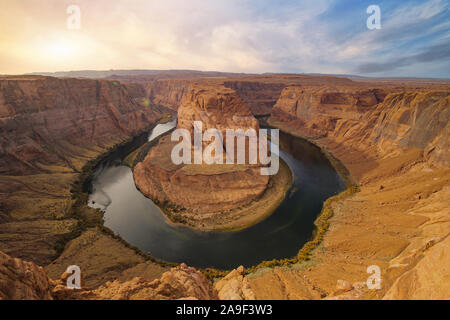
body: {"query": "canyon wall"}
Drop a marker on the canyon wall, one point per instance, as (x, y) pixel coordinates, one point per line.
(44, 120)
(217, 108)
(259, 93)
(260, 97)
(168, 93)
(316, 111)
(49, 129)
(394, 142)
(417, 120)
(393, 120)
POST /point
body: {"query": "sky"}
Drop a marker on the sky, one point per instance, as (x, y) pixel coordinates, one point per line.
(254, 36)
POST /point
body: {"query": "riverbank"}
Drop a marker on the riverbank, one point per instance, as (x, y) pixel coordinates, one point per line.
(242, 217)
(229, 218)
(322, 222)
(278, 235)
(338, 165)
(398, 214)
(90, 241)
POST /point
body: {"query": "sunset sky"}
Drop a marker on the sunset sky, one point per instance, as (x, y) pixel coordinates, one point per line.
(319, 36)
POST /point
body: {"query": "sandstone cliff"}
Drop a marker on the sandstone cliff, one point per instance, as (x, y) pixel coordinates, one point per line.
(260, 93)
(49, 129)
(24, 280)
(260, 97)
(394, 122)
(234, 286)
(168, 93)
(44, 120)
(394, 147)
(203, 188)
(316, 111)
(217, 108)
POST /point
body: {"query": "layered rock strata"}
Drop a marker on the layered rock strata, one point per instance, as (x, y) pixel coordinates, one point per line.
(393, 121)
(43, 120)
(260, 97)
(396, 149)
(399, 221)
(21, 280)
(49, 129)
(198, 193)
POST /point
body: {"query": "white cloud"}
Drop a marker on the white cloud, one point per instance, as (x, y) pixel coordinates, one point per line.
(232, 35)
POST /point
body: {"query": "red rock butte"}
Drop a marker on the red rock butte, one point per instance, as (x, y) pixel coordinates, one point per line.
(208, 191)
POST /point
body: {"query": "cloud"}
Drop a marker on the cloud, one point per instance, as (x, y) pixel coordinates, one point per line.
(435, 53)
(322, 36)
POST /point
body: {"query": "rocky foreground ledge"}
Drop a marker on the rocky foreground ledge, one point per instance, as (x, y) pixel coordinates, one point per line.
(21, 280)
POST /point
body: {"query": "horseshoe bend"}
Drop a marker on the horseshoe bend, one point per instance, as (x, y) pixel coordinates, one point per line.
(388, 140)
(207, 196)
(224, 150)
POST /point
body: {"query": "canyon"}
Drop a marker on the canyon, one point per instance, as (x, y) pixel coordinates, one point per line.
(391, 136)
(211, 196)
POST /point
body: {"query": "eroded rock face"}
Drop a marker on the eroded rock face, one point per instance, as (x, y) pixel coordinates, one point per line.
(203, 188)
(182, 282)
(217, 108)
(234, 286)
(393, 119)
(417, 120)
(316, 111)
(22, 280)
(25, 280)
(260, 97)
(43, 120)
(168, 93)
(429, 279)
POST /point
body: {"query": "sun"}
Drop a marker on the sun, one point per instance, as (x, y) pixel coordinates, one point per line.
(60, 49)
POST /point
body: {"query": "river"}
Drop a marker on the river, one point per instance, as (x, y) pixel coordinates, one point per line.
(141, 223)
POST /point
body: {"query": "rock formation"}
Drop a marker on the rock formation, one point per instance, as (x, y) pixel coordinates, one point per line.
(43, 120)
(259, 96)
(205, 189)
(49, 129)
(168, 93)
(25, 280)
(182, 282)
(316, 111)
(394, 147)
(234, 286)
(429, 279)
(396, 121)
(21, 280)
(217, 108)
